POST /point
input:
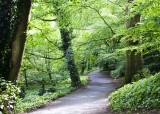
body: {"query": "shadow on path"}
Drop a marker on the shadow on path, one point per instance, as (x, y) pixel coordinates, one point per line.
(89, 100)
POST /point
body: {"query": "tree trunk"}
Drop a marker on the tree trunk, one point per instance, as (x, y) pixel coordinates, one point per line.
(18, 44)
(5, 37)
(134, 60)
(83, 66)
(89, 66)
(25, 77)
(64, 21)
(68, 52)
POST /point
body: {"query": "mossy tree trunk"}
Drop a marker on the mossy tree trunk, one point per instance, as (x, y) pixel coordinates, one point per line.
(65, 27)
(69, 55)
(18, 43)
(134, 60)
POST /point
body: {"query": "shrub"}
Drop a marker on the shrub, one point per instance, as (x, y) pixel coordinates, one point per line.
(107, 63)
(142, 94)
(119, 71)
(144, 73)
(8, 96)
(152, 61)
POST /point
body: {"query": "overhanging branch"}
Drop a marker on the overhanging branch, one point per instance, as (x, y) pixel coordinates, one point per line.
(47, 20)
(86, 43)
(97, 11)
(117, 5)
(46, 57)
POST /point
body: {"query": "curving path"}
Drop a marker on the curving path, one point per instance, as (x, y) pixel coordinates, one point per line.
(89, 100)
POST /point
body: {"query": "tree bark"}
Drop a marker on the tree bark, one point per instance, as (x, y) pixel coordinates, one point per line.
(5, 37)
(18, 44)
(68, 52)
(64, 21)
(134, 60)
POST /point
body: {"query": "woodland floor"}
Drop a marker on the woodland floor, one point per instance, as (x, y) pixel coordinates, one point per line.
(89, 100)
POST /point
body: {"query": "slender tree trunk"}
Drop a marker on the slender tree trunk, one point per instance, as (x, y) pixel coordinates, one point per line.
(68, 52)
(64, 22)
(18, 44)
(134, 60)
(89, 66)
(49, 71)
(25, 77)
(83, 66)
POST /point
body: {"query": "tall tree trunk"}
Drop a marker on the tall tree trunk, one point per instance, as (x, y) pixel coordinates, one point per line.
(5, 37)
(134, 60)
(64, 21)
(68, 52)
(18, 44)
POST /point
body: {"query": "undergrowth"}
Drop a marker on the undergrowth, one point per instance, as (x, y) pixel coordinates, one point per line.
(144, 93)
(33, 101)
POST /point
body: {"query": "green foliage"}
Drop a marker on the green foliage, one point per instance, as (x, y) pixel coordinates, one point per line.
(142, 94)
(114, 63)
(144, 73)
(152, 61)
(107, 63)
(8, 96)
(119, 70)
(92, 41)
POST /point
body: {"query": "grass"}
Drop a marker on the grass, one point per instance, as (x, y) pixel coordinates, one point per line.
(33, 101)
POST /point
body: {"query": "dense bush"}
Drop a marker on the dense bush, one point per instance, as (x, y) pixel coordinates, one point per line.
(114, 64)
(8, 95)
(144, 73)
(107, 63)
(152, 61)
(142, 94)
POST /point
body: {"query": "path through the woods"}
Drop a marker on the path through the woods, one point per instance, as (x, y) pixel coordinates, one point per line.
(89, 100)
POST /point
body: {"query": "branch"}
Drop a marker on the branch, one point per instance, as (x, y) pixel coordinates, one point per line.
(42, 30)
(100, 17)
(81, 29)
(35, 65)
(48, 20)
(117, 5)
(86, 43)
(54, 43)
(49, 40)
(46, 57)
(38, 28)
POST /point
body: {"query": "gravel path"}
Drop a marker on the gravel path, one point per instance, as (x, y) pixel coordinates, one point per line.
(89, 100)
